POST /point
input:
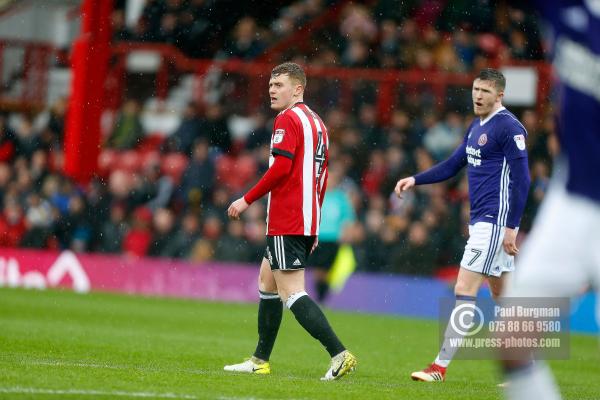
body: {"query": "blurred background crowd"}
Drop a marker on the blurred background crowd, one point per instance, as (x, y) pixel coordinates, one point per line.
(166, 194)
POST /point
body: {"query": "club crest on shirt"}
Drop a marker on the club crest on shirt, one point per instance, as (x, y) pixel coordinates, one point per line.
(520, 141)
(278, 137)
(482, 139)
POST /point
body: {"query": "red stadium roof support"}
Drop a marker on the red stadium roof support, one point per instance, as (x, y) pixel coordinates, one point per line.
(91, 52)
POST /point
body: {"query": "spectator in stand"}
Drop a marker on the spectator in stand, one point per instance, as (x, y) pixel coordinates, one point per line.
(6, 175)
(198, 179)
(214, 126)
(196, 38)
(369, 127)
(151, 17)
(186, 133)
(163, 233)
(186, 235)
(260, 134)
(375, 174)
(26, 138)
(168, 32)
(7, 141)
(151, 188)
(12, 225)
(39, 217)
(233, 246)
(246, 42)
(138, 239)
(415, 253)
(39, 168)
(72, 230)
(127, 132)
(119, 29)
(113, 231)
(443, 137)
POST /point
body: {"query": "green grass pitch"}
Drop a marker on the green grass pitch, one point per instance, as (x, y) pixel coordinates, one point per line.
(61, 345)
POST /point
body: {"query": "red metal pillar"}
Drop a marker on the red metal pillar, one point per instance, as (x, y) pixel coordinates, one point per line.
(89, 61)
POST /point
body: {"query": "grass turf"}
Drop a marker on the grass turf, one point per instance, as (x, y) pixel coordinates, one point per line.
(56, 344)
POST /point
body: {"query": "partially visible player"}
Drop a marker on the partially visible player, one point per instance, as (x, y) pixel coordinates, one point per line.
(495, 154)
(296, 182)
(338, 215)
(562, 253)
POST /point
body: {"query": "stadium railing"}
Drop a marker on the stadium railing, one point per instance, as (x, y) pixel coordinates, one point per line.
(383, 87)
(24, 68)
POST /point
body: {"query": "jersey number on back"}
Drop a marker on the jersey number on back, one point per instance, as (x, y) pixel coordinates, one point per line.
(320, 156)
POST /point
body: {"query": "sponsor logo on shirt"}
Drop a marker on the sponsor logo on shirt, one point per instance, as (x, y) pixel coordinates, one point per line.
(278, 137)
(472, 153)
(520, 141)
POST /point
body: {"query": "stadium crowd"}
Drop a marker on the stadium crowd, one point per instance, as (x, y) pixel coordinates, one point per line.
(426, 35)
(146, 207)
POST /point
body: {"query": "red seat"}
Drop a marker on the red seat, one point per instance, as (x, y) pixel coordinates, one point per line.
(236, 173)
(107, 161)
(151, 143)
(173, 164)
(149, 158)
(129, 160)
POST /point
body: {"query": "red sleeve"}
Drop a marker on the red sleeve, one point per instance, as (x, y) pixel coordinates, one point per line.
(285, 135)
(323, 190)
(275, 174)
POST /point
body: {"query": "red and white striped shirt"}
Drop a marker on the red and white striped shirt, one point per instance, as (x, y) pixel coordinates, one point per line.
(294, 206)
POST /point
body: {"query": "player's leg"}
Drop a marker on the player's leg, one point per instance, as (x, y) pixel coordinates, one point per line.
(484, 243)
(290, 283)
(270, 312)
(465, 290)
(497, 284)
(556, 261)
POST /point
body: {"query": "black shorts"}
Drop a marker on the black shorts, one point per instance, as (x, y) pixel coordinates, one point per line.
(288, 252)
(324, 255)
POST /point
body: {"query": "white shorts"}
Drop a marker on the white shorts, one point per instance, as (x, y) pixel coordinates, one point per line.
(561, 257)
(484, 252)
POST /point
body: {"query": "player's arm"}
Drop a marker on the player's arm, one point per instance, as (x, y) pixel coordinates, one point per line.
(516, 157)
(438, 173)
(273, 177)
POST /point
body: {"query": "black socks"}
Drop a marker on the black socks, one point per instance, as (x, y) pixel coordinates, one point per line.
(312, 319)
(270, 311)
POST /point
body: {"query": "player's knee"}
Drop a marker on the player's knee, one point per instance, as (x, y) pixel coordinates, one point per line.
(464, 289)
(267, 284)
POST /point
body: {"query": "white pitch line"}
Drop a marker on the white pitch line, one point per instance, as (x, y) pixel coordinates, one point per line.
(82, 392)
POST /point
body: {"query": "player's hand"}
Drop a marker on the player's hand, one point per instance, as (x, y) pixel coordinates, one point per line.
(404, 184)
(237, 208)
(509, 242)
(315, 244)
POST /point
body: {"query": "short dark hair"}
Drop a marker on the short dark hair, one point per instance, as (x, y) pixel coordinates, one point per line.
(490, 74)
(294, 71)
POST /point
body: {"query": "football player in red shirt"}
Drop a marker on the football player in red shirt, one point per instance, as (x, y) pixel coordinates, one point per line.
(295, 181)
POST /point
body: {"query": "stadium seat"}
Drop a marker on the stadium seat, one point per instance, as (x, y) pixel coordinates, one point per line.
(173, 164)
(236, 172)
(129, 160)
(151, 142)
